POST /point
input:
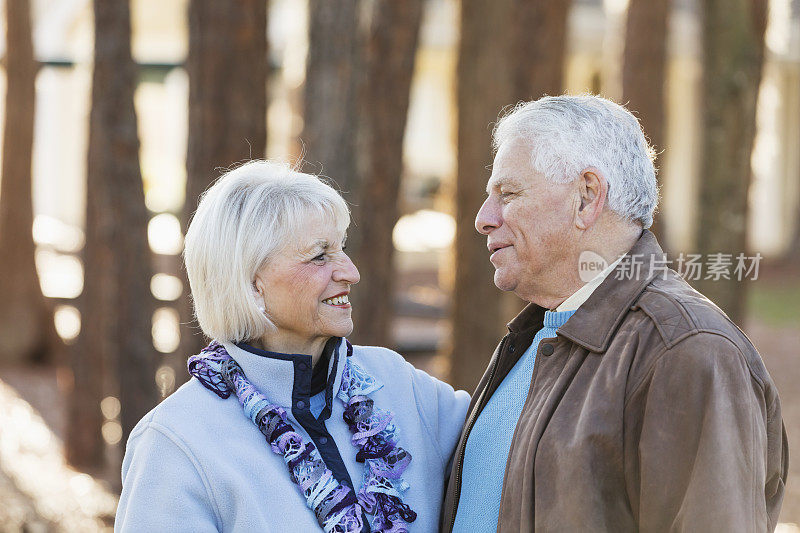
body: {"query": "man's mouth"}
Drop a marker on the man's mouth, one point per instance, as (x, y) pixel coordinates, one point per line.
(340, 300)
(494, 248)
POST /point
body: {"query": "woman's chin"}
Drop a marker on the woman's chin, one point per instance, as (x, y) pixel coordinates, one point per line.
(342, 330)
(346, 332)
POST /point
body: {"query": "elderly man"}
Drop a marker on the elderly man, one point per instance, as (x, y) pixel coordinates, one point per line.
(618, 401)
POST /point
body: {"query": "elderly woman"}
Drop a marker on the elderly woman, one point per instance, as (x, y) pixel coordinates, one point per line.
(286, 426)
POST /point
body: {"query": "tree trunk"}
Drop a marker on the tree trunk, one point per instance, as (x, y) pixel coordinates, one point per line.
(541, 27)
(485, 86)
(644, 73)
(792, 254)
(116, 304)
(26, 319)
(228, 68)
(331, 93)
(391, 51)
(733, 45)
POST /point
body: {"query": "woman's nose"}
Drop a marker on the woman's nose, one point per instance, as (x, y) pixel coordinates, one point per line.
(347, 272)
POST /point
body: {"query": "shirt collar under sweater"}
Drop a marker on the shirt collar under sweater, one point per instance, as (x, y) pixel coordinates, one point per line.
(581, 295)
(285, 379)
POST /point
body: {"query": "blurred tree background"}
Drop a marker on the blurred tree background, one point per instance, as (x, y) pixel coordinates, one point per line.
(118, 114)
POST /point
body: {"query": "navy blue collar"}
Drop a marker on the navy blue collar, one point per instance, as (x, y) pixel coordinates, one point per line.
(285, 379)
(308, 381)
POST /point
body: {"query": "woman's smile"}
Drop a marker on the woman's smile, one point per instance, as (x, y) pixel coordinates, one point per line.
(341, 300)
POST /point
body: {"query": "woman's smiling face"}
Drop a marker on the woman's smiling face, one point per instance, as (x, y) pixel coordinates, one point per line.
(305, 288)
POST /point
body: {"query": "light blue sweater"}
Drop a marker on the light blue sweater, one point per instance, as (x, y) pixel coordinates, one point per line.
(196, 463)
(489, 441)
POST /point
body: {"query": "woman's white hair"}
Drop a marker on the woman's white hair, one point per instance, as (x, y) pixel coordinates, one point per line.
(243, 218)
(567, 134)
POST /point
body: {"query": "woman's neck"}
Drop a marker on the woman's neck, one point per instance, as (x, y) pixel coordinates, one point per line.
(271, 343)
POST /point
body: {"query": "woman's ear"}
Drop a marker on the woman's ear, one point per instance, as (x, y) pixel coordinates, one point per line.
(593, 190)
(258, 294)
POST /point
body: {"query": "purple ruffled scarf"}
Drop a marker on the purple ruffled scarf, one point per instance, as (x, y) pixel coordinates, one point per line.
(337, 508)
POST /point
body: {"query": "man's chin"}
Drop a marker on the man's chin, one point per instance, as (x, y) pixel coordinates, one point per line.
(503, 283)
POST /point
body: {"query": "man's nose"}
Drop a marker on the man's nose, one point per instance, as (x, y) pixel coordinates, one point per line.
(488, 217)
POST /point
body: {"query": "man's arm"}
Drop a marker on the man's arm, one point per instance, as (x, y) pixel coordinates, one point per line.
(698, 440)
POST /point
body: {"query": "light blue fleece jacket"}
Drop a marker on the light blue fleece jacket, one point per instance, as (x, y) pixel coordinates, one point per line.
(196, 463)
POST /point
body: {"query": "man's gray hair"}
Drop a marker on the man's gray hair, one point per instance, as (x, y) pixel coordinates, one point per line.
(567, 134)
(249, 214)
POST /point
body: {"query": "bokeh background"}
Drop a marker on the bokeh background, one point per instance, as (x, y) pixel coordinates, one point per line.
(117, 115)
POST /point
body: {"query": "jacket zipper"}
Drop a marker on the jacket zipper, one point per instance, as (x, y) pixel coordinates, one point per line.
(471, 422)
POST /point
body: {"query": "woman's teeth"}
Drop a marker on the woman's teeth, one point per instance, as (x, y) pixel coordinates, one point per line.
(339, 300)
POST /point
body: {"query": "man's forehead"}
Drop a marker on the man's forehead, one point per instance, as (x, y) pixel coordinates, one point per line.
(510, 168)
(511, 156)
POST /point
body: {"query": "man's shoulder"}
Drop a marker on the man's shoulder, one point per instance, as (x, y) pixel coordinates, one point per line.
(678, 311)
(684, 320)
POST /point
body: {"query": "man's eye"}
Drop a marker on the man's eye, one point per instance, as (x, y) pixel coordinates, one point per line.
(320, 257)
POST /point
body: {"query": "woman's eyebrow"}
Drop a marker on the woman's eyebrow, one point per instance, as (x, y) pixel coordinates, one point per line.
(323, 244)
(316, 245)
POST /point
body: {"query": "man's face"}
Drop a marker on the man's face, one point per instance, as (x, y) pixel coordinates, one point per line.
(529, 224)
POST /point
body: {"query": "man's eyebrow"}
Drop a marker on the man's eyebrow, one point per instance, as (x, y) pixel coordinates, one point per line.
(499, 182)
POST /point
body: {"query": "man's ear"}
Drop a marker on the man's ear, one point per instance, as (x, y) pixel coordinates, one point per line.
(593, 190)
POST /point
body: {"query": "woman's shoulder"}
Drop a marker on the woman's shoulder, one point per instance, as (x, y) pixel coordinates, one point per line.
(188, 413)
(381, 361)
(392, 368)
(385, 354)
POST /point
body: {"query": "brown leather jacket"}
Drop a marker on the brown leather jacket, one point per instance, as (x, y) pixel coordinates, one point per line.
(650, 411)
